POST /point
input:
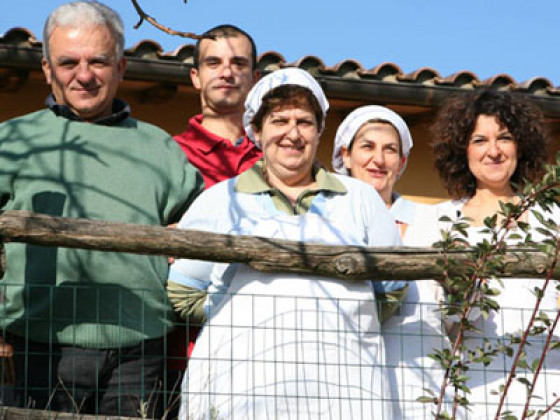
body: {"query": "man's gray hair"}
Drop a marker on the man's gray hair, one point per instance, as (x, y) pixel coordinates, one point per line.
(83, 13)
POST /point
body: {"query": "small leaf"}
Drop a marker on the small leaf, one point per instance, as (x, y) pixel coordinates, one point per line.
(554, 346)
(426, 400)
(524, 381)
(522, 364)
(508, 417)
(429, 391)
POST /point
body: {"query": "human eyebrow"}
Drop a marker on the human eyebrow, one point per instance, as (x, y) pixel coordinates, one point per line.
(101, 59)
(477, 137)
(505, 133)
(306, 120)
(392, 147)
(211, 59)
(364, 143)
(64, 60)
(240, 60)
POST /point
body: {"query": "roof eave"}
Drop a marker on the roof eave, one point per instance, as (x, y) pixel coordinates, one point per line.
(355, 89)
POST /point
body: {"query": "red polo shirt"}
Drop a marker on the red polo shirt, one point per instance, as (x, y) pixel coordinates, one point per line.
(216, 158)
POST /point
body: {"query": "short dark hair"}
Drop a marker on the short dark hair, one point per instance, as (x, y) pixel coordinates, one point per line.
(288, 95)
(456, 121)
(224, 31)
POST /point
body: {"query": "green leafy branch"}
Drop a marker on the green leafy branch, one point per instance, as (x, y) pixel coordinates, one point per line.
(471, 290)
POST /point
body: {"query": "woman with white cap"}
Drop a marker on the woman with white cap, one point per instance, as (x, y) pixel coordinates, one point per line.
(285, 345)
(373, 144)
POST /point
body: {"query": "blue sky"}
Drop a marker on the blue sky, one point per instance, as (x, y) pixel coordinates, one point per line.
(519, 38)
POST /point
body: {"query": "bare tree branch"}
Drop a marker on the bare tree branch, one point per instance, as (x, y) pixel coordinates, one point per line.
(145, 17)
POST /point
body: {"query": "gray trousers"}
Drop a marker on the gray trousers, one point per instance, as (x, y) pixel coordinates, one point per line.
(124, 381)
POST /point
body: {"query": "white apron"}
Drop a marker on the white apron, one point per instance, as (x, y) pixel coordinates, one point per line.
(288, 346)
(410, 335)
(516, 305)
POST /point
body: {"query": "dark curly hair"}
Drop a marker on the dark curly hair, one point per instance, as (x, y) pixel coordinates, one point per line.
(456, 121)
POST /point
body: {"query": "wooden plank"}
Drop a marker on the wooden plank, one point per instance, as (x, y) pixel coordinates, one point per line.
(13, 413)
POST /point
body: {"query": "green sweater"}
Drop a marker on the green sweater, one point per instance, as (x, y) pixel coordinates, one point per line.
(132, 173)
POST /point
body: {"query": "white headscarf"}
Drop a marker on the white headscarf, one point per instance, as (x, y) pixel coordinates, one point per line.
(355, 120)
(287, 76)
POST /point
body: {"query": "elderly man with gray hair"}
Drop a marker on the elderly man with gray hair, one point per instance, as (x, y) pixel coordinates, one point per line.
(88, 327)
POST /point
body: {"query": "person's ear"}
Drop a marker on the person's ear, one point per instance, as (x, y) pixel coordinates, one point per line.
(121, 68)
(257, 136)
(401, 165)
(346, 158)
(195, 79)
(256, 75)
(47, 70)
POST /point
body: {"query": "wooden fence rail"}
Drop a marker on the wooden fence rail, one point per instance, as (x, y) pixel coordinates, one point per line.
(347, 262)
(13, 413)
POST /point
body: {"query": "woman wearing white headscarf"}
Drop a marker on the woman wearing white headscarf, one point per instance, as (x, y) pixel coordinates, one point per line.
(278, 346)
(373, 144)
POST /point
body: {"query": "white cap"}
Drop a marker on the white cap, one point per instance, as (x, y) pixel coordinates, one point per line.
(355, 120)
(287, 76)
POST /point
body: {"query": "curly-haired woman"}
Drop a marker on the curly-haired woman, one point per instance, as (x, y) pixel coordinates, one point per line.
(487, 145)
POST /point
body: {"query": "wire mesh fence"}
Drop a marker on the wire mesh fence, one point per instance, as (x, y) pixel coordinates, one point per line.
(260, 355)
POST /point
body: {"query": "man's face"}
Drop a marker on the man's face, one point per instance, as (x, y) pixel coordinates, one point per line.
(83, 70)
(224, 75)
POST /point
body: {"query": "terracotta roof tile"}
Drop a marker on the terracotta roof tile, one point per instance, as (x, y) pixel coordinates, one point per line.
(384, 71)
(146, 49)
(184, 54)
(311, 63)
(536, 85)
(424, 75)
(19, 37)
(271, 60)
(499, 81)
(462, 79)
(348, 68)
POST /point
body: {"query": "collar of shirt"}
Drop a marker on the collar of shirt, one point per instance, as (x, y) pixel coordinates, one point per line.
(208, 141)
(121, 111)
(402, 209)
(253, 181)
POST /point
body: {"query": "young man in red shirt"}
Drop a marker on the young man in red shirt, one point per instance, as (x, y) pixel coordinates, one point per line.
(224, 71)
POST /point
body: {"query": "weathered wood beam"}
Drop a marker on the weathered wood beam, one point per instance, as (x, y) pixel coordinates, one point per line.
(13, 413)
(348, 262)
